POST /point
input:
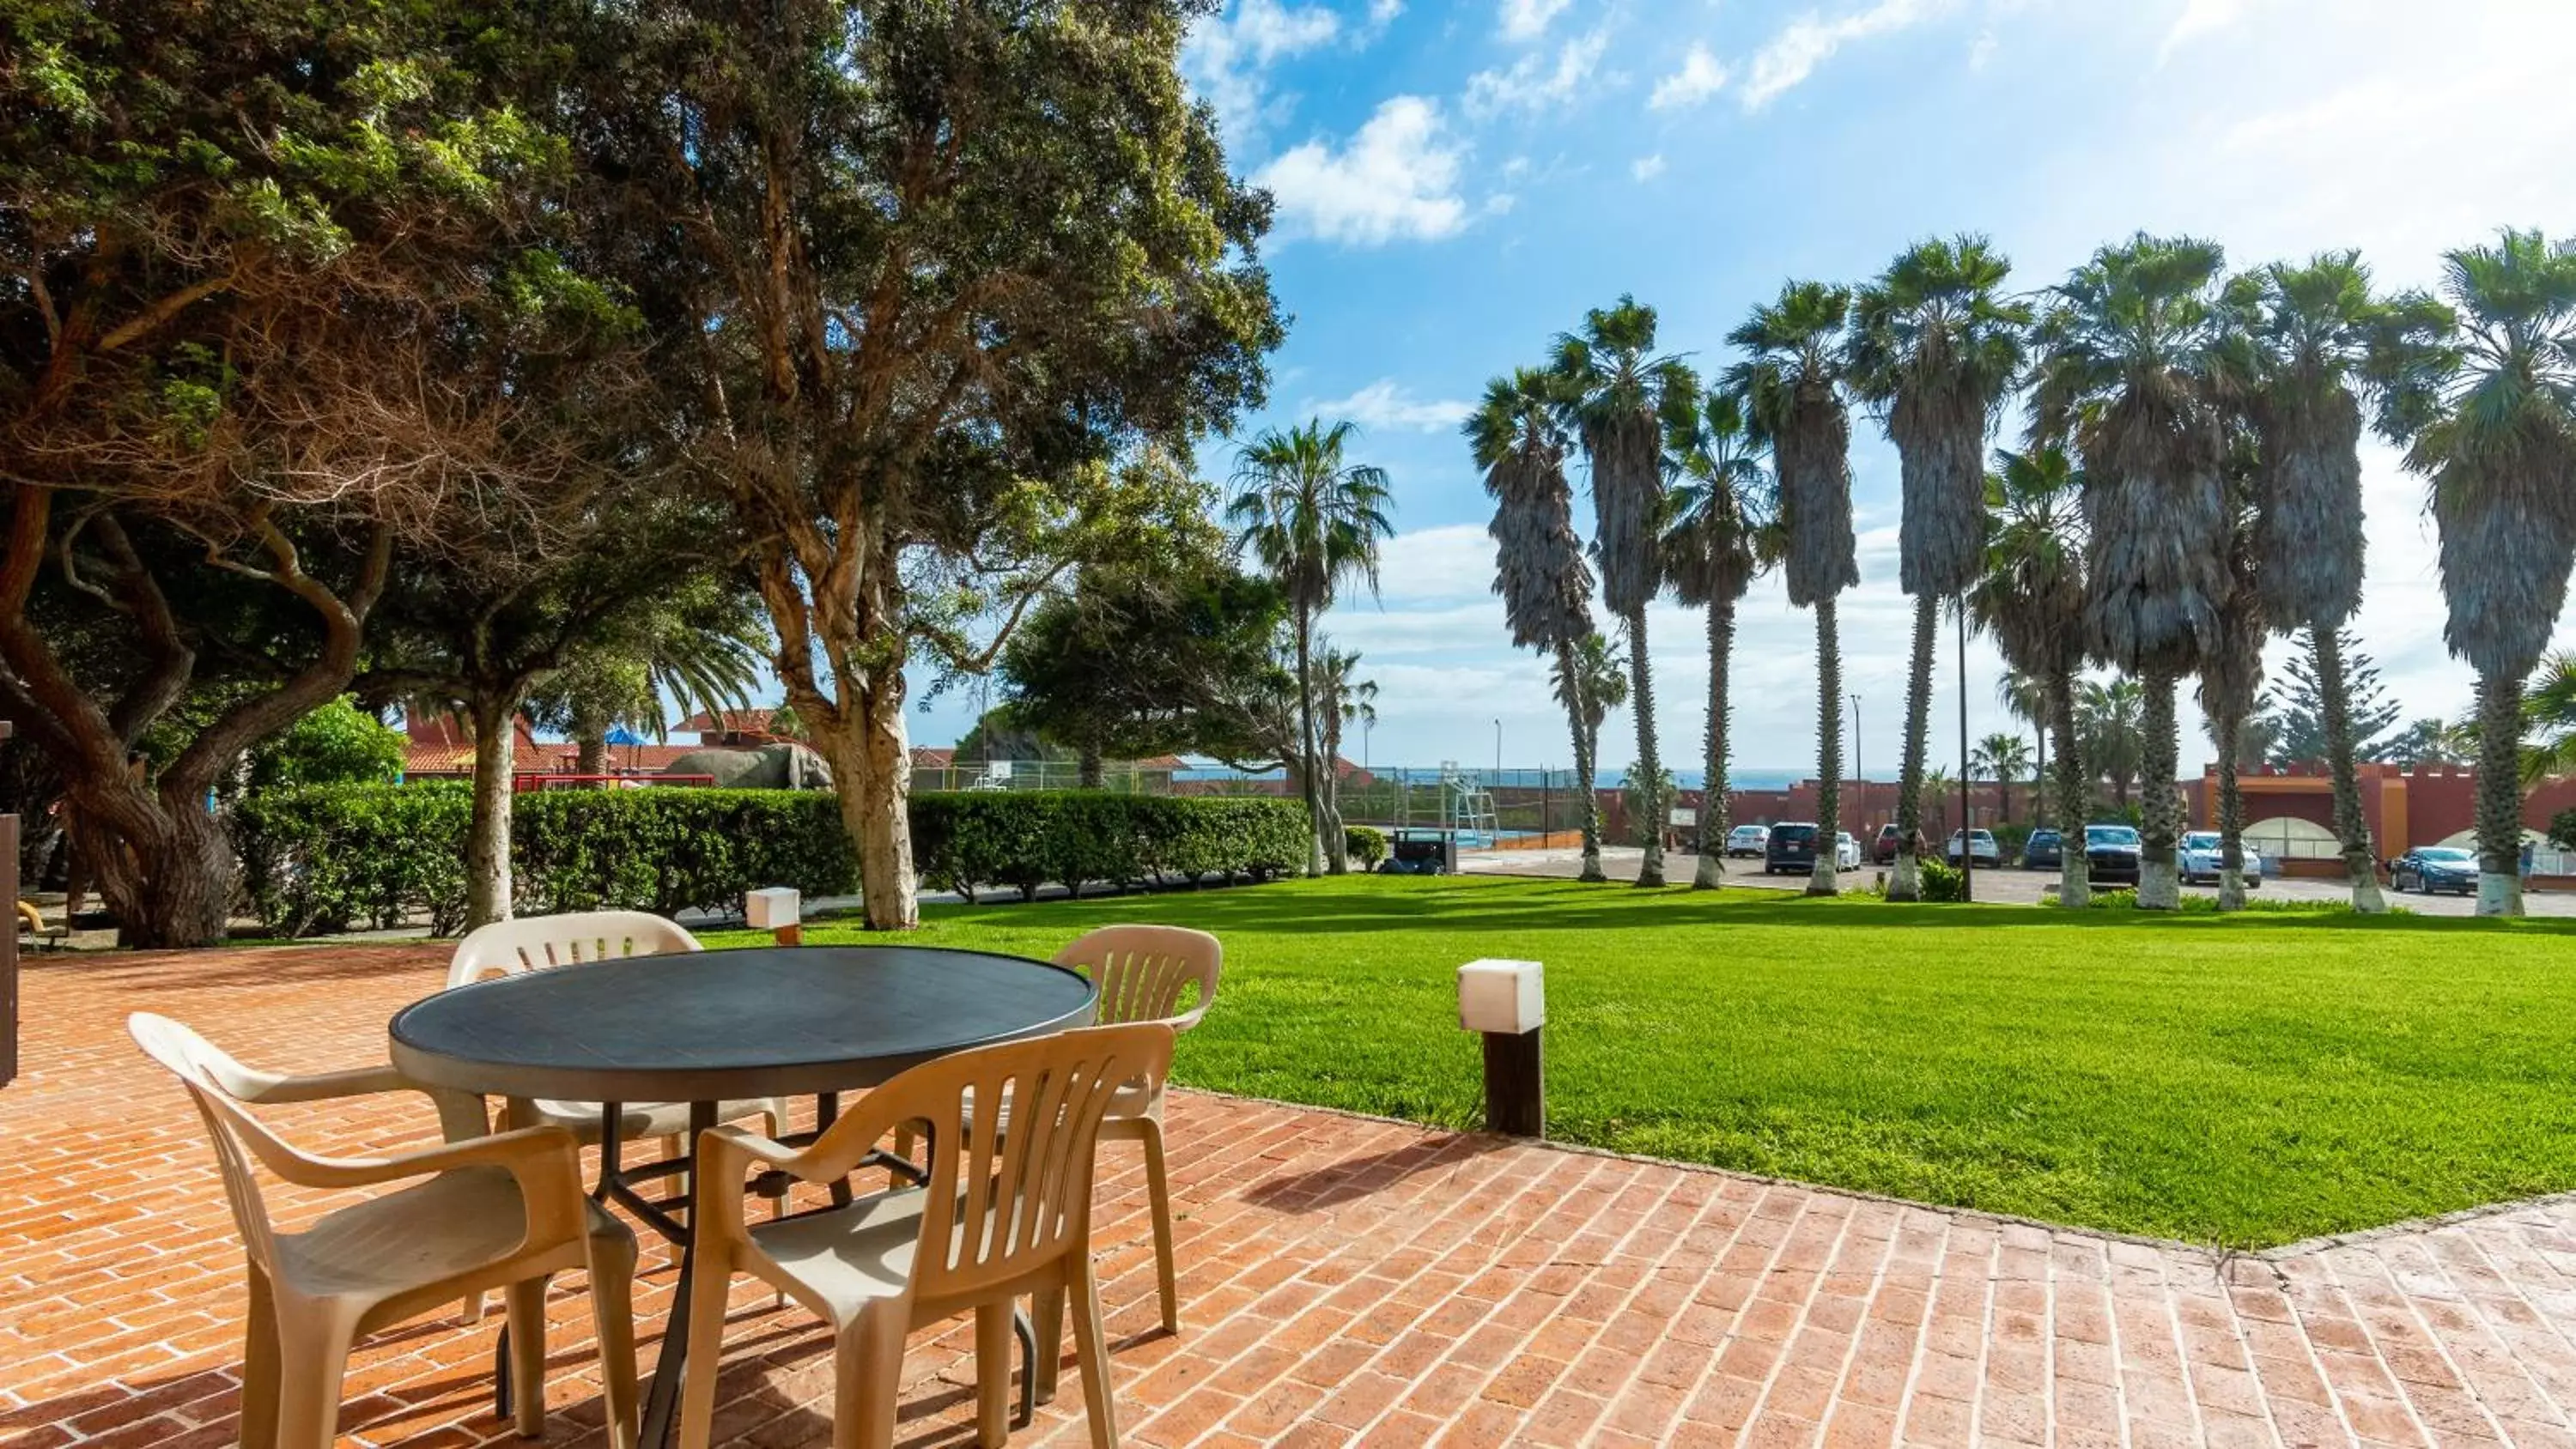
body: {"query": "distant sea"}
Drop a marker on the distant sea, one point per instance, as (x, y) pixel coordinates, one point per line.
(1739, 777)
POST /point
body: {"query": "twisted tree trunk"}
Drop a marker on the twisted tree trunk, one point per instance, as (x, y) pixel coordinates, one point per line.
(2160, 818)
(1906, 883)
(2499, 795)
(1829, 748)
(1650, 763)
(1588, 812)
(1712, 798)
(2074, 882)
(2352, 832)
(487, 833)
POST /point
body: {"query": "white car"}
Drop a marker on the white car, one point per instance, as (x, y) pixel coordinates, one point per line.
(1748, 840)
(2201, 858)
(1846, 851)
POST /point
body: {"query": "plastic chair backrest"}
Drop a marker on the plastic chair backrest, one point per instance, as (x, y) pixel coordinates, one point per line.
(1142, 971)
(533, 943)
(217, 1084)
(1006, 1202)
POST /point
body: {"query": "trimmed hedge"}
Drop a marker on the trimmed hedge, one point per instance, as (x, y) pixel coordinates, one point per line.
(968, 840)
(1365, 844)
(328, 858)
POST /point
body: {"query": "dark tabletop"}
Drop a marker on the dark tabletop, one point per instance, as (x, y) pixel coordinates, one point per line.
(710, 1025)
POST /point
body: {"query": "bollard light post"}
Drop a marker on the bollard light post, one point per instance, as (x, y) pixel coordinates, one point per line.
(1506, 1001)
(777, 910)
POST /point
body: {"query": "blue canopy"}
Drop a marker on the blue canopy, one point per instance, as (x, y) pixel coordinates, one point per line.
(621, 735)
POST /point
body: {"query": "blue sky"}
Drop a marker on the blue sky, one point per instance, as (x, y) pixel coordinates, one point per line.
(1457, 182)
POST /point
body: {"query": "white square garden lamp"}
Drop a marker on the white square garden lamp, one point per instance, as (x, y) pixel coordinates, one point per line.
(1506, 1002)
(777, 910)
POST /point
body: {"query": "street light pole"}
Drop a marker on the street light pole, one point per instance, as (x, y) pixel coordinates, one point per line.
(1860, 777)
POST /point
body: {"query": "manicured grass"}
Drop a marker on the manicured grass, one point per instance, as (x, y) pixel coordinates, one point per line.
(2246, 1081)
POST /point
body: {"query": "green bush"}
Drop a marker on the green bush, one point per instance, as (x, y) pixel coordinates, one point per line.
(1937, 880)
(1365, 844)
(324, 858)
(338, 744)
(968, 840)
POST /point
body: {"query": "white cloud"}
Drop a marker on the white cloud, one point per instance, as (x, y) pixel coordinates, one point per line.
(1386, 403)
(1699, 78)
(1397, 179)
(1647, 168)
(1228, 56)
(1537, 81)
(1527, 20)
(1382, 13)
(2199, 18)
(1982, 50)
(1807, 42)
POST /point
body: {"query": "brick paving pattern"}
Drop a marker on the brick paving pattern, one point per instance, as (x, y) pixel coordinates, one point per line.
(1345, 1282)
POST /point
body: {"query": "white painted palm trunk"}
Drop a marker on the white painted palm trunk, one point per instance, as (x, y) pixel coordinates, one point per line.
(1712, 867)
(2159, 886)
(2499, 893)
(1820, 881)
(1905, 883)
(2231, 890)
(2366, 897)
(2074, 886)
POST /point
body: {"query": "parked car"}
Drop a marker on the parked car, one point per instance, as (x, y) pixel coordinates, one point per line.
(1882, 851)
(2431, 868)
(1790, 847)
(1846, 851)
(1981, 849)
(2111, 855)
(2044, 850)
(1747, 840)
(2202, 857)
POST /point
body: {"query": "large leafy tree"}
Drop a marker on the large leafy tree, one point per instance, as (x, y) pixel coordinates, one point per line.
(1517, 436)
(2130, 371)
(2483, 393)
(1315, 521)
(1618, 396)
(2300, 732)
(285, 286)
(923, 269)
(2031, 597)
(2308, 330)
(1721, 531)
(1791, 381)
(1935, 347)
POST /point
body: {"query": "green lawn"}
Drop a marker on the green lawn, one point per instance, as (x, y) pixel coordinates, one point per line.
(2247, 1081)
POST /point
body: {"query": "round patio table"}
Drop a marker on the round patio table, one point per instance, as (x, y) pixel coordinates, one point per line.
(710, 1026)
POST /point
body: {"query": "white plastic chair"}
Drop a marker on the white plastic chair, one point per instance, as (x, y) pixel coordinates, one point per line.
(1002, 1214)
(535, 943)
(502, 1211)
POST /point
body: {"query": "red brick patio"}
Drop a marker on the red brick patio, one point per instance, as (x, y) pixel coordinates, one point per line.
(1346, 1281)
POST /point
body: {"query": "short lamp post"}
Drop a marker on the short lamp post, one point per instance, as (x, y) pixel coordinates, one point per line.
(1506, 1001)
(777, 910)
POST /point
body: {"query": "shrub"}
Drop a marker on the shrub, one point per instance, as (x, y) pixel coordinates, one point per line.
(1937, 880)
(338, 744)
(967, 840)
(1365, 844)
(322, 858)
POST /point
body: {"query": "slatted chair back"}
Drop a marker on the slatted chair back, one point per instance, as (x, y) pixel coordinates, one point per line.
(1002, 1204)
(1144, 973)
(218, 1084)
(533, 943)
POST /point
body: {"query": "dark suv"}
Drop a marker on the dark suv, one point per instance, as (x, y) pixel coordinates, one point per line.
(1791, 848)
(2111, 854)
(2044, 850)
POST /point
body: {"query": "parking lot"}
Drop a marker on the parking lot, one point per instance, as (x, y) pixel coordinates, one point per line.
(2021, 887)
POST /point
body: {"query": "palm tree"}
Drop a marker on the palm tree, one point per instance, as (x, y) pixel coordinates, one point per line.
(1342, 698)
(1589, 680)
(2001, 756)
(2483, 393)
(2108, 726)
(2549, 719)
(1934, 349)
(1618, 397)
(2130, 371)
(1315, 522)
(1721, 534)
(2025, 697)
(2308, 331)
(701, 650)
(2231, 677)
(1940, 789)
(1791, 383)
(1518, 438)
(2032, 598)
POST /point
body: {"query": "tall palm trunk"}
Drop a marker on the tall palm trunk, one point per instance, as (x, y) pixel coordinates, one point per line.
(2230, 730)
(2039, 780)
(1588, 810)
(2499, 795)
(1306, 743)
(2073, 873)
(2160, 803)
(1650, 761)
(1712, 798)
(1905, 884)
(1829, 748)
(2360, 861)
